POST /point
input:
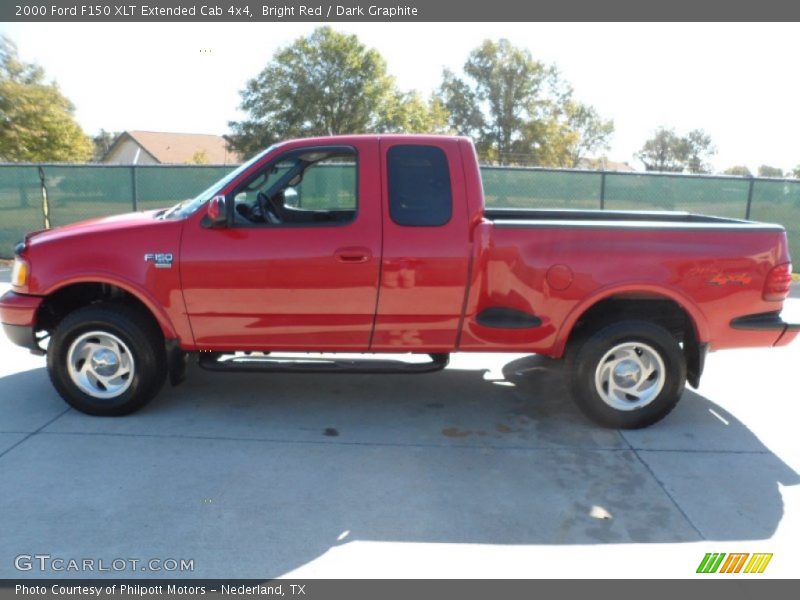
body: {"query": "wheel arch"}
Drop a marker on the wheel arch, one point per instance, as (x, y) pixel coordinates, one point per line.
(663, 306)
(633, 294)
(59, 299)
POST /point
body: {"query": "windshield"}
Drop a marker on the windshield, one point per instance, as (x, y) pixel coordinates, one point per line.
(187, 207)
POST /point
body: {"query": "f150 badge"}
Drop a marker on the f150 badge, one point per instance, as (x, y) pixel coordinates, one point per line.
(162, 260)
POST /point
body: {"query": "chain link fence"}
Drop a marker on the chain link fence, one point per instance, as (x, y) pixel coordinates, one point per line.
(77, 192)
(767, 200)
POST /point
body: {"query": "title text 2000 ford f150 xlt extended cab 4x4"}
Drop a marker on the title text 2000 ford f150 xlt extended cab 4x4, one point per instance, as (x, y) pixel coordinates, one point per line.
(382, 244)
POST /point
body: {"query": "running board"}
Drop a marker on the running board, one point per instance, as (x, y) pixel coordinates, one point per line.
(277, 364)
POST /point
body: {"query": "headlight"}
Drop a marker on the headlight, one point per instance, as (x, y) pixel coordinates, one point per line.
(19, 275)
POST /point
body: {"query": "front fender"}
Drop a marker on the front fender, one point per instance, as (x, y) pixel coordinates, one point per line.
(152, 304)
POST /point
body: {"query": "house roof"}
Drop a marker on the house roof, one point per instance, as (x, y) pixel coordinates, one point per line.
(180, 148)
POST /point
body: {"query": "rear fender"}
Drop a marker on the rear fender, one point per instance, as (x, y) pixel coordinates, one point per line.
(696, 316)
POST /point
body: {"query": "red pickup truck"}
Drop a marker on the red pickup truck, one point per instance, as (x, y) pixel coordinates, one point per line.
(382, 244)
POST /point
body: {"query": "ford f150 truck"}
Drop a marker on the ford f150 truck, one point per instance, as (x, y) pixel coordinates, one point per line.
(382, 244)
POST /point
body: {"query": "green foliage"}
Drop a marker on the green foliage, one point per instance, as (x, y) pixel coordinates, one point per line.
(199, 158)
(767, 171)
(36, 120)
(738, 170)
(590, 132)
(327, 83)
(519, 110)
(102, 143)
(409, 113)
(668, 152)
(662, 152)
(796, 172)
(461, 103)
(698, 148)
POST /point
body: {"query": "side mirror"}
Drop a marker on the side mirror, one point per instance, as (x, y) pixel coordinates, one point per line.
(291, 198)
(216, 213)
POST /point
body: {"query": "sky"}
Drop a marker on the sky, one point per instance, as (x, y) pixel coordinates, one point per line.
(738, 82)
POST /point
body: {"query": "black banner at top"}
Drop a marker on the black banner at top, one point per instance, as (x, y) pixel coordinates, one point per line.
(145, 11)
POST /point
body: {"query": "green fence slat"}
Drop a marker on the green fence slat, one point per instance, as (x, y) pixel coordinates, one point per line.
(160, 187)
(20, 205)
(80, 192)
(531, 188)
(779, 202)
(708, 196)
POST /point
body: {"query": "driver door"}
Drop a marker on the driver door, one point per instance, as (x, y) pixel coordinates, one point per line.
(297, 266)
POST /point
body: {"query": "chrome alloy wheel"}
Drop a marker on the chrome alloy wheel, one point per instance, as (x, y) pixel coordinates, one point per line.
(630, 376)
(100, 364)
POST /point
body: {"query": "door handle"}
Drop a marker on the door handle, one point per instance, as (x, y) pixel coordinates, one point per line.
(353, 255)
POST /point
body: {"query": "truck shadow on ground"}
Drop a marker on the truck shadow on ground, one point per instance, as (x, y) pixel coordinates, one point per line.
(256, 475)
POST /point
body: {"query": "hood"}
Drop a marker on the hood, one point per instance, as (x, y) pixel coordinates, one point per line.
(116, 223)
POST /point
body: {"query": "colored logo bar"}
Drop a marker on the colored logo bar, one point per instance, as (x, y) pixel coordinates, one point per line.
(716, 562)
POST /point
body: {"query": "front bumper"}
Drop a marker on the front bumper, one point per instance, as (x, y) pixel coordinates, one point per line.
(18, 316)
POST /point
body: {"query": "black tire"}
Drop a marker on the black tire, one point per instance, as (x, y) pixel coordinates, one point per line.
(139, 334)
(586, 353)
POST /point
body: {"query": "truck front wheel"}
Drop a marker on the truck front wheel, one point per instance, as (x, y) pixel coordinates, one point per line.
(627, 375)
(107, 359)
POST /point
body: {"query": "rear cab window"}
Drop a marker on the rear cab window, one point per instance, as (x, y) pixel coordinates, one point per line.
(420, 193)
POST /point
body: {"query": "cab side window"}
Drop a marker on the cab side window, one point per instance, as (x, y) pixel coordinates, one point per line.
(303, 188)
(419, 186)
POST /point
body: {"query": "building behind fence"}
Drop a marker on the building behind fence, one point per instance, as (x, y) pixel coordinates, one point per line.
(77, 192)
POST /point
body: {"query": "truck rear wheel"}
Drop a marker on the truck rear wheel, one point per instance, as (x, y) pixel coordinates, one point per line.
(107, 359)
(627, 375)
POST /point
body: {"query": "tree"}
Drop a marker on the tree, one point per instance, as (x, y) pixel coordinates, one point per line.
(36, 120)
(102, 143)
(767, 171)
(200, 157)
(662, 152)
(590, 131)
(518, 109)
(738, 170)
(796, 172)
(461, 103)
(669, 152)
(409, 113)
(327, 83)
(698, 148)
